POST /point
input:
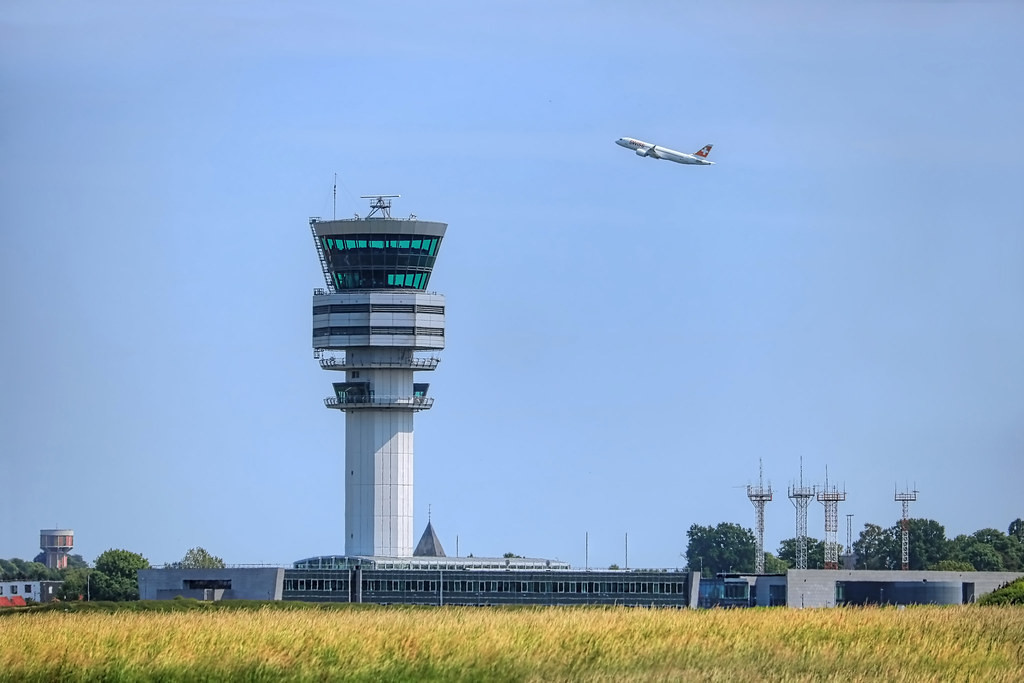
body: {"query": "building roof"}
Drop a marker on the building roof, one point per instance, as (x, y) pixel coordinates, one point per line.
(429, 545)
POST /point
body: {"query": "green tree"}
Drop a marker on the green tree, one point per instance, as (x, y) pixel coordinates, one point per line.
(77, 562)
(199, 558)
(37, 571)
(8, 570)
(774, 565)
(18, 569)
(989, 550)
(926, 543)
(984, 558)
(1016, 529)
(877, 548)
(815, 552)
(74, 562)
(726, 547)
(952, 566)
(77, 584)
(116, 575)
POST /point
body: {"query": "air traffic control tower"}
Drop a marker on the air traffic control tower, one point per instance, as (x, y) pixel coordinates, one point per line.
(376, 309)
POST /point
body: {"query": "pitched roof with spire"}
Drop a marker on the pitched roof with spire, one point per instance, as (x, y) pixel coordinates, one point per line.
(430, 544)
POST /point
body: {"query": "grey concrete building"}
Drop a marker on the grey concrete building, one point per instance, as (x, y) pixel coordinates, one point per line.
(241, 583)
(828, 588)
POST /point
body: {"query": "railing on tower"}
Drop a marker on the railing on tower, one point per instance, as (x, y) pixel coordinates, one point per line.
(332, 363)
(320, 254)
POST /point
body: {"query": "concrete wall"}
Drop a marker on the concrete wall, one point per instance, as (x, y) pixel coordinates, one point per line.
(379, 482)
(817, 587)
(247, 583)
(762, 588)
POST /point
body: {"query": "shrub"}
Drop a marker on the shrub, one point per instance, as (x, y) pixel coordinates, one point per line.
(1010, 594)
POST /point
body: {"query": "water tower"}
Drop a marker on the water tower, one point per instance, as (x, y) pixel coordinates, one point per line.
(56, 544)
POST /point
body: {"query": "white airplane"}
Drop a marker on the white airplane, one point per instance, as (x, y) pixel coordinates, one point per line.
(646, 149)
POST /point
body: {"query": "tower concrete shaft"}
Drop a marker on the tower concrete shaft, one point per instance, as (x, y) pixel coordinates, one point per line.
(759, 496)
(905, 499)
(801, 496)
(377, 311)
(831, 498)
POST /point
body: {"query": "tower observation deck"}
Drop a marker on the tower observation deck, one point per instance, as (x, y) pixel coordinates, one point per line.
(376, 309)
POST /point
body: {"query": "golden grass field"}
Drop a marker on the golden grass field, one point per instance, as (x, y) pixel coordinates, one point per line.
(968, 643)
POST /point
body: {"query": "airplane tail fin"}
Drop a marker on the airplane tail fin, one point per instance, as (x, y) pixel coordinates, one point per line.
(703, 152)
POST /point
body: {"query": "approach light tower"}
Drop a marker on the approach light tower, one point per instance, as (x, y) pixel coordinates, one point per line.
(800, 496)
(759, 496)
(377, 310)
(906, 498)
(831, 498)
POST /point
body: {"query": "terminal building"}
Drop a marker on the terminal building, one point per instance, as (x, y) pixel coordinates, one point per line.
(457, 583)
(376, 330)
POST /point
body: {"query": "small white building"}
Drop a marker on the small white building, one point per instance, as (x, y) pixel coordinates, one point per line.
(39, 591)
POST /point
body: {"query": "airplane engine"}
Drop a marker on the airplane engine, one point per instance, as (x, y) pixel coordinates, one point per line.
(642, 152)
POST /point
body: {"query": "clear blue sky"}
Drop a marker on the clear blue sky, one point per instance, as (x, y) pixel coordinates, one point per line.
(626, 337)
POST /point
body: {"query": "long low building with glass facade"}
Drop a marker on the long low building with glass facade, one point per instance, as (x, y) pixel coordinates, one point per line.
(488, 582)
(489, 587)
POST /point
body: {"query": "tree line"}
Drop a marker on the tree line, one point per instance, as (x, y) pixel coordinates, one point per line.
(112, 577)
(730, 548)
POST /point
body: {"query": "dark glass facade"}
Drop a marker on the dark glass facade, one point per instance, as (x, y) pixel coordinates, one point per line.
(485, 587)
(380, 261)
(898, 593)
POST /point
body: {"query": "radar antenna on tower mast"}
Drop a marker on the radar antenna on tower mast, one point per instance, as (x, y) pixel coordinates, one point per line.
(380, 202)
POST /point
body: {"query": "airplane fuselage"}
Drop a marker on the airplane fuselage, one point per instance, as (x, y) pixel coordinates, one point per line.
(646, 149)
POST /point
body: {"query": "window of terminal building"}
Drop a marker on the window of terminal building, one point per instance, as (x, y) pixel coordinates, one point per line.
(737, 590)
(203, 584)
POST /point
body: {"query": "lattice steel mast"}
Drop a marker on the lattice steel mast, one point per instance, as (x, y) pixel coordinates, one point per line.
(759, 496)
(831, 498)
(906, 498)
(800, 496)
